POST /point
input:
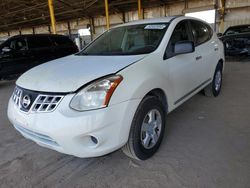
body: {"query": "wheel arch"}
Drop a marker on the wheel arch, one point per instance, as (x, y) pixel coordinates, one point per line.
(221, 62)
(160, 94)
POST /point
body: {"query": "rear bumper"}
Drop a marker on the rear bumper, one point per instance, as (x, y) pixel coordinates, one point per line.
(68, 131)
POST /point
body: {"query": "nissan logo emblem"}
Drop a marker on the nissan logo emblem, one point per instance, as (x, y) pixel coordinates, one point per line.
(26, 101)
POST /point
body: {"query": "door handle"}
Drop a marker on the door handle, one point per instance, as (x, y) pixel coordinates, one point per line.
(216, 49)
(198, 58)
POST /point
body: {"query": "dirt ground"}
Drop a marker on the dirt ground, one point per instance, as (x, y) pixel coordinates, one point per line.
(206, 145)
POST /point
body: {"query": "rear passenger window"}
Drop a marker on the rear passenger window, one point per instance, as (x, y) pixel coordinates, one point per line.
(201, 32)
(39, 42)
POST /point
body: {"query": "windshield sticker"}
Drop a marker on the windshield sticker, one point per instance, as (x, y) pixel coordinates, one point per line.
(158, 26)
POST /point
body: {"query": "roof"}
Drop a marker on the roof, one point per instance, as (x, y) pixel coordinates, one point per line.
(167, 19)
(151, 20)
(239, 26)
(37, 35)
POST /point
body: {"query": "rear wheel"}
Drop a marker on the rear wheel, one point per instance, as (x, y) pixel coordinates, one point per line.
(214, 88)
(147, 129)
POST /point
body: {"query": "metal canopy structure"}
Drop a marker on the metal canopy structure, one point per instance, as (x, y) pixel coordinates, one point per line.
(17, 14)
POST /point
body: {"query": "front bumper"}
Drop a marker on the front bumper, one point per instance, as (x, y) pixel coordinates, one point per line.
(68, 131)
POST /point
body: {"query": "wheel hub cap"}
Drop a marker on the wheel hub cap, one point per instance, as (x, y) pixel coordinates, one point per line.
(218, 81)
(151, 129)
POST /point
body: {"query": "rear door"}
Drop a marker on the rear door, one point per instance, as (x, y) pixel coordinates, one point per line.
(205, 48)
(183, 69)
(41, 48)
(63, 46)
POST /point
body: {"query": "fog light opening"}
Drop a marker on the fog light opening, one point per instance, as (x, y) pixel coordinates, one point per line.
(94, 139)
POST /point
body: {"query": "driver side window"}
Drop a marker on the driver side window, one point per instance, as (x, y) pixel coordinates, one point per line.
(18, 44)
(180, 34)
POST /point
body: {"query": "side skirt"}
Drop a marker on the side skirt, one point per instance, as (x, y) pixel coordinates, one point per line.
(192, 91)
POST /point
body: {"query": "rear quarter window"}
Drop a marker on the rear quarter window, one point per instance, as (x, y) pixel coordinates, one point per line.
(201, 32)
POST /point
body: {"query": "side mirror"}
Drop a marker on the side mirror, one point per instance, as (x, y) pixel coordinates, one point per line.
(219, 34)
(183, 47)
(6, 50)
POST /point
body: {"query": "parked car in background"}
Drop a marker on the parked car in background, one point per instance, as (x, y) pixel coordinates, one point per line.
(236, 40)
(22, 52)
(117, 91)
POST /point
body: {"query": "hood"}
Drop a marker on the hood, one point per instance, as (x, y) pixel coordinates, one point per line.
(70, 73)
(239, 35)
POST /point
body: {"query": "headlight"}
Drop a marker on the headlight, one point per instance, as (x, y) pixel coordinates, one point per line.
(96, 95)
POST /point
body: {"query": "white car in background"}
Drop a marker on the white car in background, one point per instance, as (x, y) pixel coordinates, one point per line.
(118, 90)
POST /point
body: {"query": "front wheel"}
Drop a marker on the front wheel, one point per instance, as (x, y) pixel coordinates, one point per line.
(147, 129)
(215, 87)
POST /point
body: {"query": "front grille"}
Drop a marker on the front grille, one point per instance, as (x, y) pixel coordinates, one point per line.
(240, 43)
(17, 94)
(36, 136)
(30, 101)
(46, 103)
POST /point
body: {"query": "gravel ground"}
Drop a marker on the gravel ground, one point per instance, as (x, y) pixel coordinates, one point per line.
(207, 144)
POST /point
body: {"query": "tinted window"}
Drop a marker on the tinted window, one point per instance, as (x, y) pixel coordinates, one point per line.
(39, 42)
(61, 40)
(20, 44)
(128, 40)
(201, 32)
(180, 33)
(16, 44)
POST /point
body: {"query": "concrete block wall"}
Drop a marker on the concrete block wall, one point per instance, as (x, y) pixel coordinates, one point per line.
(237, 12)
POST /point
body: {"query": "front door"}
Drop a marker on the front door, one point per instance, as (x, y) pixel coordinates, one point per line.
(41, 48)
(183, 69)
(16, 59)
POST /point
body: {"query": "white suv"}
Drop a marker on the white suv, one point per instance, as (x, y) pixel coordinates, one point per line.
(117, 91)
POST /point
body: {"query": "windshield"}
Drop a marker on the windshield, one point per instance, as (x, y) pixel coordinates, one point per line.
(237, 30)
(127, 40)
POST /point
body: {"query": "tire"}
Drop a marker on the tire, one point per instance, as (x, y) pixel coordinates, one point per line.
(141, 144)
(214, 88)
